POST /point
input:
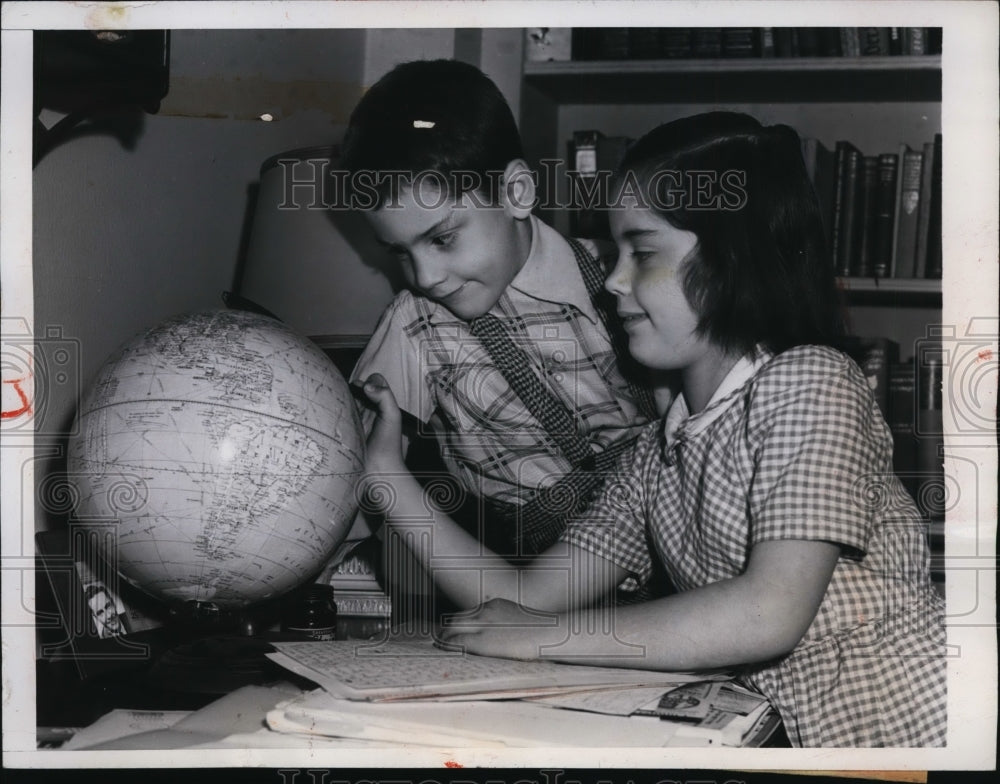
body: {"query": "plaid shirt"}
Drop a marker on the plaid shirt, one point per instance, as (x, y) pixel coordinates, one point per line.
(442, 375)
(795, 448)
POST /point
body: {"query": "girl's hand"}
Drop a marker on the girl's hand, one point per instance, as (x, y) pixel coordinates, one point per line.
(502, 628)
(384, 453)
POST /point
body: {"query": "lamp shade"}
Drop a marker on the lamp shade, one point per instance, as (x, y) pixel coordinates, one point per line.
(310, 261)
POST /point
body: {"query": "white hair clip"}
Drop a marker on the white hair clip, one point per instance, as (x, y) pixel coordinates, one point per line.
(423, 124)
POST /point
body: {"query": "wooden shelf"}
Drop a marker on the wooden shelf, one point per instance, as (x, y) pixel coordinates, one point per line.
(916, 286)
(748, 80)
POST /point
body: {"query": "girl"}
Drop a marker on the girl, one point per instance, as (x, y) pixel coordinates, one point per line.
(767, 492)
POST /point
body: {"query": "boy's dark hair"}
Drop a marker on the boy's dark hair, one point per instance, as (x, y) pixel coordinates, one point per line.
(762, 273)
(441, 116)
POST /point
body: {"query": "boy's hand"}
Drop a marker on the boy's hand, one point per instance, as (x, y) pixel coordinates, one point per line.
(384, 453)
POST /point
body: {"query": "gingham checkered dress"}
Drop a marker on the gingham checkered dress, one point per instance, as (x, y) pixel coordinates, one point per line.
(799, 451)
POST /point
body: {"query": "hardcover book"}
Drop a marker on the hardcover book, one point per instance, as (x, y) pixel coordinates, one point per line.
(924, 212)
(863, 266)
(885, 211)
(907, 205)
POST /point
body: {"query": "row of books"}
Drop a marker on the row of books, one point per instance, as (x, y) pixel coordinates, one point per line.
(655, 43)
(909, 396)
(883, 212)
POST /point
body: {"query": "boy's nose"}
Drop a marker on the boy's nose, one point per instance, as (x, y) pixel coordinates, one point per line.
(427, 275)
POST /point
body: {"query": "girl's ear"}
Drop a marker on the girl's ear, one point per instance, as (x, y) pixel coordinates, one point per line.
(517, 190)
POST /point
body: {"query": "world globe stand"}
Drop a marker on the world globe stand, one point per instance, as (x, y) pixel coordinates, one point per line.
(222, 649)
(225, 447)
(208, 618)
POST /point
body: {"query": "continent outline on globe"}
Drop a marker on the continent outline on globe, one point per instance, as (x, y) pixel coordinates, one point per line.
(239, 447)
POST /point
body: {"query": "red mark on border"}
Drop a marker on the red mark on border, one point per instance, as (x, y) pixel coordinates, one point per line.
(453, 764)
(25, 403)
(985, 354)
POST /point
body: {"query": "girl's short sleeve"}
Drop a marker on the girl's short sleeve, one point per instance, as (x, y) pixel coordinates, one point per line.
(614, 525)
(818, 442)
(391, 353)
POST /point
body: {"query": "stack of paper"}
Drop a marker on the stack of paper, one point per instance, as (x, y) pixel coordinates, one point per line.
(405, 692)
(467, 723)
(403, 669)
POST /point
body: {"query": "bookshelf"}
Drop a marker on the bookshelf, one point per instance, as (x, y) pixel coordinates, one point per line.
(877, 102)
(896, 79)
(917, 287)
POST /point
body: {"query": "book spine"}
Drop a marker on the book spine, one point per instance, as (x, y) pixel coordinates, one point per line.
(874, 41)
(820, 169)
(934, 250)
(675, 42)
(583, 181)
(875, 356)
(895, 218)
(864, 264)
(837, 214)
(363, 605)
(915, 40)
(829, 42)
(809, 44)
(906, 209)
(895, 40)
(902, 414)
(706, 42)
(850, 42)
(930, 431)
(924, 212)
(584, 43)
(850, 227)
(643, 43)
(786, 42)
(885, 208)
(934, 37)
(765, 37)
(738, 42)
(612, 44)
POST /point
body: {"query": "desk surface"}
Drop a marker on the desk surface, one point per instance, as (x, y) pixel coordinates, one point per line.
(166, 676)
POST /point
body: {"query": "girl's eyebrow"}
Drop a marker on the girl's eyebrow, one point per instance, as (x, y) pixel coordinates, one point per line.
(632, 234)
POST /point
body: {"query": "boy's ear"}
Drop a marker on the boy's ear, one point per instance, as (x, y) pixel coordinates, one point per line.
(517, 191)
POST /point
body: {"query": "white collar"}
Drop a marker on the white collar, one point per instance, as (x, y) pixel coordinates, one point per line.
(680, 425)
(551, 272)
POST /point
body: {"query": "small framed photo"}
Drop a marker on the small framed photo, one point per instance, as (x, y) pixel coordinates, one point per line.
(86, 613)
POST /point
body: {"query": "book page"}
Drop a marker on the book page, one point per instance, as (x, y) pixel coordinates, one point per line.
(406, 670)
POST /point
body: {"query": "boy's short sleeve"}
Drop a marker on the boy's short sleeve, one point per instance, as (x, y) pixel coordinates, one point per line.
(614, 526)
(391, 353)
(820, 447)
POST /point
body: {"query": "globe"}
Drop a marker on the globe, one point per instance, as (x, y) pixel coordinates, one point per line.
(224, 450)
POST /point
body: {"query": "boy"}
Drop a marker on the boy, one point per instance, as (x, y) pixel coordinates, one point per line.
(503, 346)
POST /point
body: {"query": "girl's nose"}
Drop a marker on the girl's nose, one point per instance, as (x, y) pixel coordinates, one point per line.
(619, 282)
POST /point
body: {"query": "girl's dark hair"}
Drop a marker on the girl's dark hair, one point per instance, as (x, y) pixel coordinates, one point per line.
(762, 273)
(441, 116)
